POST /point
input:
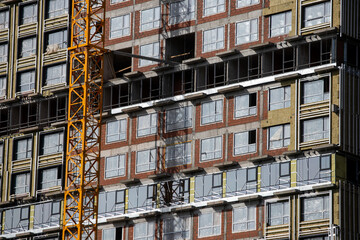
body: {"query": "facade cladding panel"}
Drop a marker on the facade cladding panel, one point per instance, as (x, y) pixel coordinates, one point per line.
(248, 130)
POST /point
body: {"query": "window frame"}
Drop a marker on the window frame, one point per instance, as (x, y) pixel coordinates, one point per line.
(325, 121)
(214, 214)
(215, 138)
(155, 21)
(221, 42)
(119, 168)
(57, 181)
(63, 44)
(26, 185)
(3, 86)
(323, 16)
(27, 138)
(283, 138)
(120, 133)
(59, 145)
(218, 7)
(147, 235)
(4, 54)
(249, 108)
(283, 216)
(284, 101)
(33, 18)
(186, 159)
(123, 27)
(30, 85)
(325, 197)
(58, 79)
(189, 14)
(252, 2)
(28, 53)
(186, 226)
(250, 21)
(285, 26)
(149, 162)
(150, 124)
(5, 24)
(217, 112)
(144, 63)
(56, 13)
(325, 94)
(248, 144)
(248, 207)
(188, 119)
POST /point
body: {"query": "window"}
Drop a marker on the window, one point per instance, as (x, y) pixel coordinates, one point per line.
(120, 26)
(56, 8)
(50, 177)
(16, 220)
(27, 47)
(247, 31)
(145, 160)
(3, 52)
(2, 86)
(280, 24)
(116, 130)
(209, 224)
(115, 166)
(208, 187)
(55, 74)
(21, 183)
(28, 13)
(315, 91)
(51, 143)
(112, 234)
(178, 118)
(150, 19)
(275, 176)
(245, 105)
(314, 208)
(211, 148)
(213, 39)
(315, 129)
(22, 148)
(213, 6)
(47, 214)
(149, 50)
(117, 1)
(178, 154)
(241, 181)
(182, 11)
(279, 98)
(1, 154)
(26, 81)
(179, 192)
(245, 3)
(56, 40)
(313, 170)
(316, 14)
(212, 112)
(278, 213)
(245, 142)
(112, 203)
(147, 125)
(144, 231)
(244, 218)
(142, 198)
(176, 228)
(279, 136)
(4, 19)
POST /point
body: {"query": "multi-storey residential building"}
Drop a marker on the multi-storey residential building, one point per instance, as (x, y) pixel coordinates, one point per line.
(250, 130)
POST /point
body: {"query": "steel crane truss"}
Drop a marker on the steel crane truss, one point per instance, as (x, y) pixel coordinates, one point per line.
(83, 133)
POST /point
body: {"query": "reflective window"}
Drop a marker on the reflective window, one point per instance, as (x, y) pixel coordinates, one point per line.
(275, 176)
(315, 91)
(26, 81)
(208, 187)
(116, 130)
(1, 153)
(55, 74)
(3, 52)
(147, 124)
(280, 23)
(279, 98)
(145, 160)
(4, 19)
(247, 31)
(278, 213)
(314, 208)
(55, 8)
(241, 181)
(22, 148)
(27, 47)
(211, 148)
(3, 86)
(49, 177)
(16, 220)
(47, 214)
(115, 166)
(182, 11)
(111, 203)
(120, 26)
(244, 218)
(142, 198)
(149, 50)
(213, 39)
(245, 142)
(316, 14)
(213, 7)
(176, 228)
(178, 154)
(144, 231)
(279, 136)
(109, 234)
(212, 112)
(209, 224)
(28, 13)
(313, 170)
(178, 118)
(245, 105)
(245, 3)
(315, 129)
(150, 19)
(21, 183)
(117, 1)
(55, 41)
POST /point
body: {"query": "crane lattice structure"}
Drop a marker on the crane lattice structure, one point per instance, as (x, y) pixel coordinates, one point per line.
(83, 132)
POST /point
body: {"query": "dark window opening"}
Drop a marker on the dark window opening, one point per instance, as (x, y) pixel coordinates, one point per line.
(180, 48)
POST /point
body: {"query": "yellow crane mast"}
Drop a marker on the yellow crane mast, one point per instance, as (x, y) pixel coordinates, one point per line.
(84, 120)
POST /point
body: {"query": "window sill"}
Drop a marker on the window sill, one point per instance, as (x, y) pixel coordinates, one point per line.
(315, 27)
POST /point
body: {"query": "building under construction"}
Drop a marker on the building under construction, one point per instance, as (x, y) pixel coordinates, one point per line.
(233, 119)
